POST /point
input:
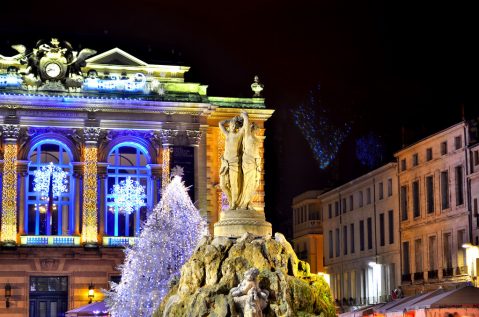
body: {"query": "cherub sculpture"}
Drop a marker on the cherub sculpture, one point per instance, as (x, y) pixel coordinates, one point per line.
(248, 297)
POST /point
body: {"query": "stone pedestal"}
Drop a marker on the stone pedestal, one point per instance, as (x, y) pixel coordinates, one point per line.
(234, 223)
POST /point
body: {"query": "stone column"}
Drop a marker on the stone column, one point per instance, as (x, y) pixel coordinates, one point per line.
(22, 171)
(78, 176)
(167, 140)
(197, 139)
(102, 177)
(9, 189)
(90, 209)
(156, 173)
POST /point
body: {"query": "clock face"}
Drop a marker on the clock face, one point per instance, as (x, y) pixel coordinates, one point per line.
(53, 70)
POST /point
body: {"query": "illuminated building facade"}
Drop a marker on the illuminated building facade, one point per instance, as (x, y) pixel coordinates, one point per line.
(308, 229)
(435, 209)
(74, 125)
(361, 238)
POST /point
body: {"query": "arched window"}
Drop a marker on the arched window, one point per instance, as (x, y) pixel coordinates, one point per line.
(49, 209)
(126, 159)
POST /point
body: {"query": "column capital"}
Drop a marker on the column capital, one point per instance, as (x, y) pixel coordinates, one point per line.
(91, 135)
(10, 133)
(168, 136)
(194, 137)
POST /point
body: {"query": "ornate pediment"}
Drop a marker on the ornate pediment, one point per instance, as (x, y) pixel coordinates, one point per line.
(116, 56)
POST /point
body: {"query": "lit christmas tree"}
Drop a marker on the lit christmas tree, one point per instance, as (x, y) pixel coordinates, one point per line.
(166, 242)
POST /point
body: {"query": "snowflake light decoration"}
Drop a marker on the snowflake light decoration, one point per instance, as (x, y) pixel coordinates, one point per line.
(128, 195)
(177, 171)
(42, 176)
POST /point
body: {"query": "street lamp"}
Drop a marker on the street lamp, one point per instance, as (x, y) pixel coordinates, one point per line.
(91, 292)
(8, 294)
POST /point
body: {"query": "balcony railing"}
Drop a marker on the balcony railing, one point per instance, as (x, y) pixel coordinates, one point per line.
(118, 241)
(432, 274)
(418, 276)
(50, 240)
(448, 272)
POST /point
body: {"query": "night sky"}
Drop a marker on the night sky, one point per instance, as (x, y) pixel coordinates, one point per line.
(382, 65)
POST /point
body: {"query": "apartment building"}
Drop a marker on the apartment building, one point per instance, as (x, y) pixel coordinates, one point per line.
(308, 229)
(361, 237)
(434, 214)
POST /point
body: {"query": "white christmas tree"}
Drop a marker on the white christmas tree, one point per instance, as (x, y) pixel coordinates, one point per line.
(166, 242)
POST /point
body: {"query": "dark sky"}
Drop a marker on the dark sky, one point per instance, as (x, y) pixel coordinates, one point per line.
(381, 64)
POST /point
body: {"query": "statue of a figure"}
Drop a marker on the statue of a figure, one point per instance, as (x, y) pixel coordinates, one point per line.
(230, 170)
(251, 163)
(248, 297)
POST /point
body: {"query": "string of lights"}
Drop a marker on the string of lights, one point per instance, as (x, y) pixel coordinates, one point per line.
(323, 137)
(165, 171)
(166, 242)
(89, 230)
(9, 194)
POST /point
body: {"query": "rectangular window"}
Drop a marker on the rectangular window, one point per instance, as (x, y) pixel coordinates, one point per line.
(338, 246)
(403, 165)
(370, 233)
(405, 256)
(444, 148)
(391, 226)
(444, 190)
(330, 211)
(353, 249)
(382, 237)
(459, 186)
(418, 255)
(360, 199)
(476, 157)
(390, 187)
(428, 154)
(343, 207)
(351, 203)
(381, 190)
(331, 250)
(447, 250)
(415, 199)
(336, 208)
(432, 253)
(403, 202)
(345, 239)
(458, 142)
(368, 194)
(415, 159)
(361, 235)
(476, 211)
(430, 194)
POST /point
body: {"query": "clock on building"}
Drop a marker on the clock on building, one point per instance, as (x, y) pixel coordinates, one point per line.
(52, 70)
